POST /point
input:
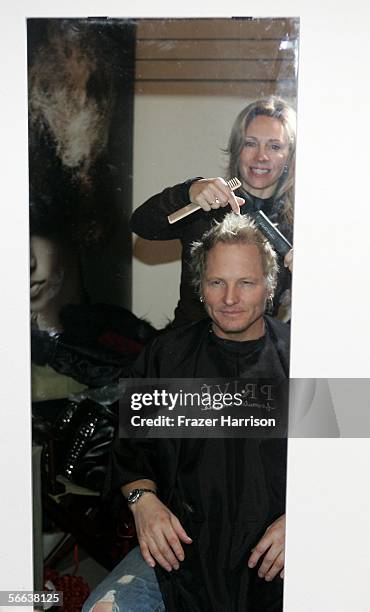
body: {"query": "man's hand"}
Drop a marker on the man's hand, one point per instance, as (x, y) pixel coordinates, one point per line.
(271, 548)
(214, 193)
(159, 533)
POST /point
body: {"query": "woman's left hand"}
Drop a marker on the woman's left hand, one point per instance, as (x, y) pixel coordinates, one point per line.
(288, 260)
(271, 548)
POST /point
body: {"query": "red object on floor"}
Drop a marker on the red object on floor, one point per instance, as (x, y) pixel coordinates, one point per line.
(74, 588)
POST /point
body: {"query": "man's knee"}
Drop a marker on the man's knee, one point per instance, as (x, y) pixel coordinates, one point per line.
(102, 607)
(104, 604)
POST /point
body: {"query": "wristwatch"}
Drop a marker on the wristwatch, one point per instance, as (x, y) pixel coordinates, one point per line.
(135, 495)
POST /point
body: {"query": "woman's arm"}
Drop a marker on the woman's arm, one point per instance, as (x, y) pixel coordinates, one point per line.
(150, 219)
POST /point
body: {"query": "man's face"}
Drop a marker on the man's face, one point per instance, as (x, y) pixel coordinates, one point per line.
(234, 291)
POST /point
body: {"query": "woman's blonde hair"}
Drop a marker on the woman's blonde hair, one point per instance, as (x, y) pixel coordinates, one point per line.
(276, 108)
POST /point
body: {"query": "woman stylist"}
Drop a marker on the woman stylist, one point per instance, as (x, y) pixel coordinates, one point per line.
(261, 153)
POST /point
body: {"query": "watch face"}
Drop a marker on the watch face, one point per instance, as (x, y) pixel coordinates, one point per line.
(133, 496)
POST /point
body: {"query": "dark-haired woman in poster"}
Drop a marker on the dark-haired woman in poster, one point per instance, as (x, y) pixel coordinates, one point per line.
(76, 346)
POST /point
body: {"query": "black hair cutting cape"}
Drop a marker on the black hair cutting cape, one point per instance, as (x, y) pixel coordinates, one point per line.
(225, 492)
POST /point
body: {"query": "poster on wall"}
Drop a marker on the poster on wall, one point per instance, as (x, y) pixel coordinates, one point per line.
(141, 134)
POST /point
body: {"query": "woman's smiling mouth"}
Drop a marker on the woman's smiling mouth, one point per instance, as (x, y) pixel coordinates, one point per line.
(260, 171)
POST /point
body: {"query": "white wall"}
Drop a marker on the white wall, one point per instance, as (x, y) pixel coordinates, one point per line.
(329, 500)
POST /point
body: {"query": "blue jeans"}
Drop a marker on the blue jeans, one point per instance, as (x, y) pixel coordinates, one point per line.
(131, 587)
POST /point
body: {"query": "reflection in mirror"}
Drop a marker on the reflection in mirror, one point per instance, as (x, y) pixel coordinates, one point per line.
(84, 334)
(193, 78)
(137, 116)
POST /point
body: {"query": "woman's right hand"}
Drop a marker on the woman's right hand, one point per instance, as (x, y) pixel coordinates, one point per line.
(159, 532)
(214, 193)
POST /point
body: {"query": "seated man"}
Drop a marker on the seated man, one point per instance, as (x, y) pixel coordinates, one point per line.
(209, 513)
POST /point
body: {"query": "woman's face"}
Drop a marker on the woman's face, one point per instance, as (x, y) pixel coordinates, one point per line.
(46, 270)
(263, 156)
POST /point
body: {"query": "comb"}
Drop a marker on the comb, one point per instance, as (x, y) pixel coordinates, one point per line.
(233, 183)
